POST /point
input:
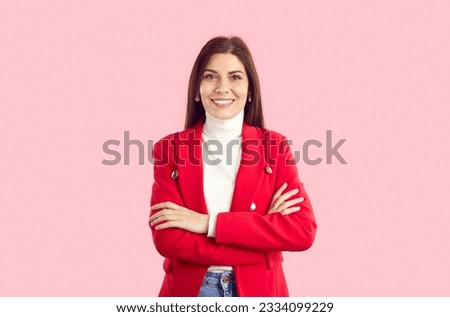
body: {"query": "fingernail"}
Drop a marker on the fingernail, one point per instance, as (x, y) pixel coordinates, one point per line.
(296, 190)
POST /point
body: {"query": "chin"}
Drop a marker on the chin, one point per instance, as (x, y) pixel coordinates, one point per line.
(224, 116)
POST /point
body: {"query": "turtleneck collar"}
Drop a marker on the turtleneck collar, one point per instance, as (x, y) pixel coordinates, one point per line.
(228, 128)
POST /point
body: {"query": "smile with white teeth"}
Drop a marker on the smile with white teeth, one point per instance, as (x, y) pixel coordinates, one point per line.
(222, 102)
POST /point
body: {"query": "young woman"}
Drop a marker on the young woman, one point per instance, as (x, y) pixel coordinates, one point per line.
(226, 198)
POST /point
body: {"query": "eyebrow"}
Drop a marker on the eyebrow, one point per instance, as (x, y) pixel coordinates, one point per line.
(232, 72)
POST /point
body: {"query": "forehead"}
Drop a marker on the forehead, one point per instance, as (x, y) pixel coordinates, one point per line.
(225, 62)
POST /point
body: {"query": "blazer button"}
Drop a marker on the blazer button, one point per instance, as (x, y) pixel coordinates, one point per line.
(268, 170)
(252, 207)
(174, 174)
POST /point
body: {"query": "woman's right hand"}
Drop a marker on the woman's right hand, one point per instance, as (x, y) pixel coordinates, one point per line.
(281, 203)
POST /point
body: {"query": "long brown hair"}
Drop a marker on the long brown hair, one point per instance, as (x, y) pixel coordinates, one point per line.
(233, 45)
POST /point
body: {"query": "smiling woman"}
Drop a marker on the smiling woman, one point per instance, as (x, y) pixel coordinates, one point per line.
(222, 223)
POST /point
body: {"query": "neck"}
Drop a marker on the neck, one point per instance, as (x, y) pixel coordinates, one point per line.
(223, 128)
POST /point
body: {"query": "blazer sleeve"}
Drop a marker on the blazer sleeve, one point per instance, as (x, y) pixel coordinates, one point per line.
(180, 244)
(274, 231)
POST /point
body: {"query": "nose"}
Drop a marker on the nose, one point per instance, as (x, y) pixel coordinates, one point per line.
(222, 87)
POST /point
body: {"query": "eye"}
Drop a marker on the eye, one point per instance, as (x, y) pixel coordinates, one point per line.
(236, 77)
(209, 76)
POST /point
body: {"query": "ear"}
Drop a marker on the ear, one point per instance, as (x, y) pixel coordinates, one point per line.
(197, 98)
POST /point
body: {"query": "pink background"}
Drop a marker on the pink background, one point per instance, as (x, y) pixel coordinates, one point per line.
(74, 74)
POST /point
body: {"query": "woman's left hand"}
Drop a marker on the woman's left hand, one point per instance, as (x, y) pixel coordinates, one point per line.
(172, 215)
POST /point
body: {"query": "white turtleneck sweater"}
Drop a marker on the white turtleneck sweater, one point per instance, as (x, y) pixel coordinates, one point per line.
(221, 159)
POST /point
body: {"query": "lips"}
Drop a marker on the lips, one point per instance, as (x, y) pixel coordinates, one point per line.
(222, 103)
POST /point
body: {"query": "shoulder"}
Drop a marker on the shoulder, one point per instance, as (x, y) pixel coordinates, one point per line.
(275, 144)
(264, 133)
(175, 136)
(275, 134)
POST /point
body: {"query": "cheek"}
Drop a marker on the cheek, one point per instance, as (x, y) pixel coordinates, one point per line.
(241, 90)
(204, 94)
(206, 87)
(241, 93)
(202, 89)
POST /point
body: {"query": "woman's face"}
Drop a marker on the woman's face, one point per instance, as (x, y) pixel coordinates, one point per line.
(224, 86)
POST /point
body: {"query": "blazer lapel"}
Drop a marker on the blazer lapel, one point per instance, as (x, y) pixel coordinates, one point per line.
(191, 169)
(251, 169)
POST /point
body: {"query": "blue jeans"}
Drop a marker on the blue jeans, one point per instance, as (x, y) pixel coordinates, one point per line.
(218, 284)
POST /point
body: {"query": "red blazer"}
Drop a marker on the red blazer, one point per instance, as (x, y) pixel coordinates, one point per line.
(247, 238)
